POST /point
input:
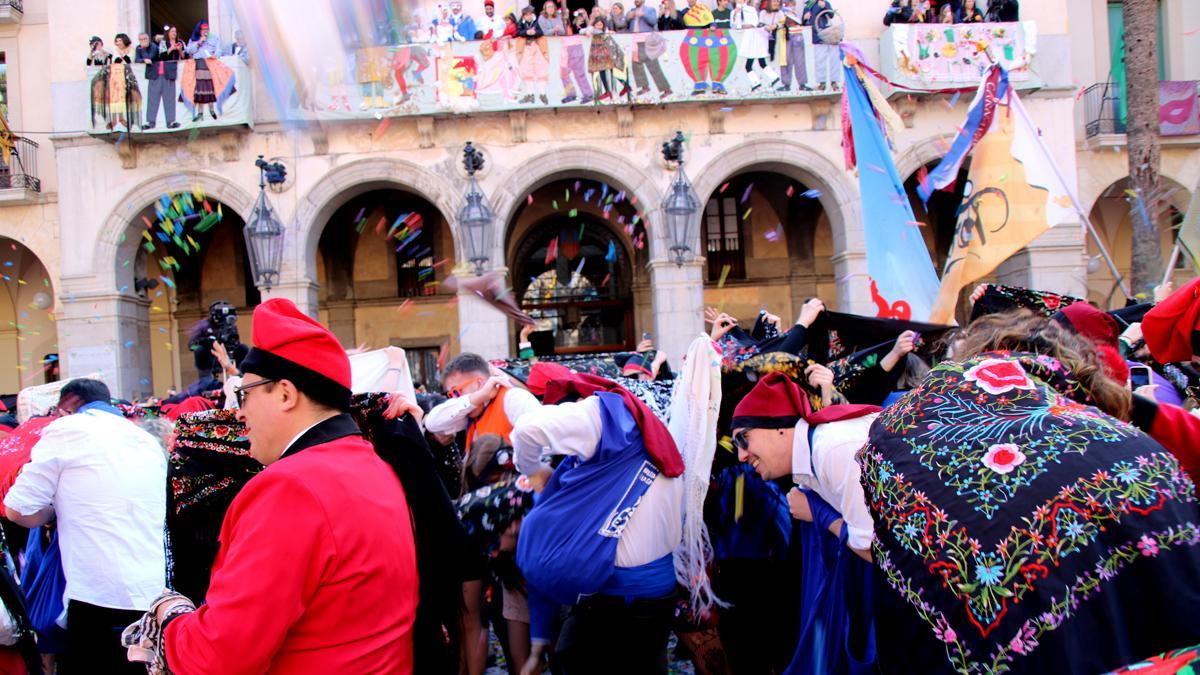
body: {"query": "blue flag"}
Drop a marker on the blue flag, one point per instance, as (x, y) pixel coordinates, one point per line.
(903, 281)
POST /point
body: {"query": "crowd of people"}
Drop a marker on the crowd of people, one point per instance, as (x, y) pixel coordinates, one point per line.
(203, 80)
(841, 494)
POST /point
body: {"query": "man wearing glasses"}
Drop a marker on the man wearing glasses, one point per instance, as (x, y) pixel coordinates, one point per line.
(312, 544)
(480, 401)
(103, 478)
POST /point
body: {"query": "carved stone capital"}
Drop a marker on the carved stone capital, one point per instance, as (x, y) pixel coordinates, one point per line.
(425, 131)
(517, 120)
(625, 122)
(229, 145)
(821, 110)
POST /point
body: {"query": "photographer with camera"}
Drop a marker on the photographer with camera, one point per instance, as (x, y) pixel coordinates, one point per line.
(216, 349)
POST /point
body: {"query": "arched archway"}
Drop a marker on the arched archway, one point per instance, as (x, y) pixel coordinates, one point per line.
(510, 194)
(350, 180)
(27, 331)
(577, 250)
(381, 258)
(767, 244)
(1112, 216)
(191, 253)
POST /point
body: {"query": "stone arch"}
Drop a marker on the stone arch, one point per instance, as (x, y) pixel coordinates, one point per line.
(839, 195)
(114, 245)
(581, 162)
(921, 153)
(352, 179)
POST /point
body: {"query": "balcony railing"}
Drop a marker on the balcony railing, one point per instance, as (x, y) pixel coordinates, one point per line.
(1178, 108)
(950, 56)
(21, 170)
(169, 96)
(514, 74)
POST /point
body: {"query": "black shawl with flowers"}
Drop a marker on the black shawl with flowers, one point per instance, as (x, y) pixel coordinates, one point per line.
(1020, 529)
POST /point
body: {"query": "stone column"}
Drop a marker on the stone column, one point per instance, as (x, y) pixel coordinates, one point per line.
(677, 299)
(1055, 261)
(107, 334)
(482, 329)
(853, 284)
(302, 292)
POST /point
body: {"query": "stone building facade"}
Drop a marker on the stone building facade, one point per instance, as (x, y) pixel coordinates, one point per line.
(780, 219)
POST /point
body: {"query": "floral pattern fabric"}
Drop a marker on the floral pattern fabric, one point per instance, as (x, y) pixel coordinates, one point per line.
(1003, 507)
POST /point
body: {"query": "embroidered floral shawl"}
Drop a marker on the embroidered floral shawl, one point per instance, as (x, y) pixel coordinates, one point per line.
(1026, 530)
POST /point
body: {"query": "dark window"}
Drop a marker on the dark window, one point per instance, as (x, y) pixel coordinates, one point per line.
(723, 239)
(423, 364)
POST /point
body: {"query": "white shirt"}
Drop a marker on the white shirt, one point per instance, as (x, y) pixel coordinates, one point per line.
(107, 482)
(656, 527)
(832, 471)
(495, 25)
(454, 415)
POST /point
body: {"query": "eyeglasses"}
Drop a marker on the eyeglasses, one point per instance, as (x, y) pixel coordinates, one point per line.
(740, 440)
(455, 392)
(240, 392)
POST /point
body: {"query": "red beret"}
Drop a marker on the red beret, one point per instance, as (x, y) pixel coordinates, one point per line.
(1093, 324)
(191, 404)
(1169, 327)
(776, 402)
(289, 344)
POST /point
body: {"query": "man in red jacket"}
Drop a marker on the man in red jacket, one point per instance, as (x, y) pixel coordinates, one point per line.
(317, 567)
(1172, 332)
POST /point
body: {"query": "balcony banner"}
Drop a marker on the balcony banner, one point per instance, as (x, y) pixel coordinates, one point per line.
(571, 71)
(1178, 108)
(194, 93)
(941, 54)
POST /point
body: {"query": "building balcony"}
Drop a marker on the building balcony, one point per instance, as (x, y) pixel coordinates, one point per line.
(19, 182)
(573, 72)
(11, 12)
(1178, 114)
(205, 95)
(938, 57)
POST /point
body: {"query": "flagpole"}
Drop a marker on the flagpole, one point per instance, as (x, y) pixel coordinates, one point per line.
(1171, 264)
(1112, 266)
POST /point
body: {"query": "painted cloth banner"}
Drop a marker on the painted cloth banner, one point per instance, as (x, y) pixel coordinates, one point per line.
(979, 120)
(948, 53)
(571, 71)
(123, 100)
(1014, 194)
(903, 281)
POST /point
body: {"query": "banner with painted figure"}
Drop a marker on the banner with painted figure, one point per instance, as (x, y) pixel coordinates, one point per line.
(169, 96)
(1014, 191)
(949, 53)
(571, 71)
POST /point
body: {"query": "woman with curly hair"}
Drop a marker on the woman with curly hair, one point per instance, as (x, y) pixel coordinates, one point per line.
(1019, 521)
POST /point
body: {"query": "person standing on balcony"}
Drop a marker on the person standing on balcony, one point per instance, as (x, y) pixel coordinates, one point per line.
(115, 95)
(642, 19)
(98, 55)
(463, 24)
(820, 15)
(493, 26)
(669, 18)
(753, 45)
(722, 15)
(162, 69)
(971, 13)
(617, 20)
(946, 14)
(205, 79)
(901, 11)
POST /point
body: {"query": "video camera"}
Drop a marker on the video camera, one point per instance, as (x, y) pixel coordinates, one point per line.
(222, 327)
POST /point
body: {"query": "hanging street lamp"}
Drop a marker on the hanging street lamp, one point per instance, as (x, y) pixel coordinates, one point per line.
(263, 231)
(475, 218)
(681, 204)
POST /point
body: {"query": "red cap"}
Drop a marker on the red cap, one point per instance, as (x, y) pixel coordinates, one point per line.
(1170, 327)
(1093, 324)
(777, 402)
(191, 404)
(289, 344)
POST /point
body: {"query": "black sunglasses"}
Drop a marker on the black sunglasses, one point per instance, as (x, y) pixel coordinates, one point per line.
(240, 392)
(740, 441)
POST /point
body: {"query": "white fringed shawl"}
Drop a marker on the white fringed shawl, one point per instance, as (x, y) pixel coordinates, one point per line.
(693, 424)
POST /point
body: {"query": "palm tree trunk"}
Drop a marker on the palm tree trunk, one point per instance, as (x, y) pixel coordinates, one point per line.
(1141, 76)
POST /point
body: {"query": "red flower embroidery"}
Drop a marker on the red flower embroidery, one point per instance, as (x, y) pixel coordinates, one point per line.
(1003, 457)
(1052, 302)
(997, 376)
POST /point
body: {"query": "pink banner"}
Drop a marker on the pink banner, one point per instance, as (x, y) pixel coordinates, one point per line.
(1178, 108)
